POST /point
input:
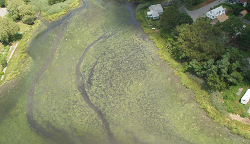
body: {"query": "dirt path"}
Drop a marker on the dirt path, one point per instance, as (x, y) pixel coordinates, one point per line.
(13, 49)
(239, 118)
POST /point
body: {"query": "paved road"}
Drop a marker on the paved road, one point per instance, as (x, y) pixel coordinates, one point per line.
(3, 12)
(201, 12)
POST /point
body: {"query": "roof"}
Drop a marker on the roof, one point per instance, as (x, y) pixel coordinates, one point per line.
(154, 14)
(222, 17)
(157, 8)
(246, 96)
(216, 10)
(244, 12)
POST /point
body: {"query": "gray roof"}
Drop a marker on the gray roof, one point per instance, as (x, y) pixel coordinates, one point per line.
(158, 8)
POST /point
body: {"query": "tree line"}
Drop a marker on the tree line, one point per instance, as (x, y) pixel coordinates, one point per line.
(201, 47)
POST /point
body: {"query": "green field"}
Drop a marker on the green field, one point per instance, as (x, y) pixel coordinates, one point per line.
(137, 93)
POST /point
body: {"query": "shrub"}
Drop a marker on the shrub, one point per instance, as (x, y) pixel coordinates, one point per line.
(28, 19)
(2, 3)
(231, 110)
(4, 62)
(244, 114)
(51, 2)
(216, 100)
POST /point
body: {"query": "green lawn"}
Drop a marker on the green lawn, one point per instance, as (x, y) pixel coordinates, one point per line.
(236, 106)
(23, 27)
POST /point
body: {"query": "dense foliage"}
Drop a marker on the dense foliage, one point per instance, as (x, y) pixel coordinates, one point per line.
(227, 70)
(20, 11)
(244, 38)
(8, 30)
(171, 18)
(2, 3)
(232, 26)
(192, 3)
(185, 19)
(199, 41)
(201, 46)
(51, 2)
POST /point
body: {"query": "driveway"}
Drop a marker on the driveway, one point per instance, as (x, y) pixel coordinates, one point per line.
(3, 12)
(201, 12)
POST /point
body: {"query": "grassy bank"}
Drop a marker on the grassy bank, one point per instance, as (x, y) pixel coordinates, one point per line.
(202, 96)
(56, 15)
(19, 59)
(53, 12)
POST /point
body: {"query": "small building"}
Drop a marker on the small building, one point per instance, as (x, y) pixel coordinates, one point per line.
(246, 97)
(155, 11)
(212, 14)
(243, 13)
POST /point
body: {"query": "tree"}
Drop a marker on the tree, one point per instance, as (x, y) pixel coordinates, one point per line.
(237, 11)
(170, 18)
(28, 19)
(229, 69)
(20, 11)
(26, 10)
(8, 30)
(244, 38)
(232, 25)
(2, 3)
(199, 41)
(185, 19)
(13, 7)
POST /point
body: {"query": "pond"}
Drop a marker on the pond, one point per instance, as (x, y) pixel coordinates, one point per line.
(96, 78)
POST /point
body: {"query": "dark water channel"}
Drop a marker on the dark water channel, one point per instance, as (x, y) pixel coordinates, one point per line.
(96, 78)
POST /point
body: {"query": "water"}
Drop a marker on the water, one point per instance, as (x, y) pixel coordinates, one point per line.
(95, 78)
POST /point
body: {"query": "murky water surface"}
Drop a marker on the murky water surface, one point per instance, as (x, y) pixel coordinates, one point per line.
(96, 78)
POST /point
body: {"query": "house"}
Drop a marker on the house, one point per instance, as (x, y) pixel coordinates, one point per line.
(243, 2)
(153, 14)
(243, 13)
(212, 14)
(246, 97)
(155, 11)
(157, 8)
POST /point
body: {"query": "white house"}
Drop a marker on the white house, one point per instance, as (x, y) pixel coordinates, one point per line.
(155, 11)
(153, 14)
(215, 12)
(246, 97)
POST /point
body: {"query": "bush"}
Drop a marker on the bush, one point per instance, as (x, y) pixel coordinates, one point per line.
(1, 73)
(51, 2)
(230, 94)
(230, 110)
(2, 3)
(244, 114)
(28, 19)
(216, 100)
(4, 62)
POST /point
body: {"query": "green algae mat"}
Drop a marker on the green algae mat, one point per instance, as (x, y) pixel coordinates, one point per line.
(96, 78)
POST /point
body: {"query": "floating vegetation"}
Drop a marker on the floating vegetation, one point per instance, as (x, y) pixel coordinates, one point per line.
(135, 96)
